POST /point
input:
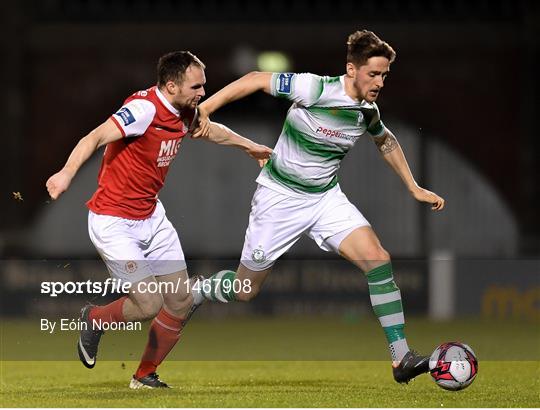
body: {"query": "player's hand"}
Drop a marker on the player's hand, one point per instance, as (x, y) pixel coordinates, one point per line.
(423, 195)
(203, 129)
(259, 152)
(58, 183)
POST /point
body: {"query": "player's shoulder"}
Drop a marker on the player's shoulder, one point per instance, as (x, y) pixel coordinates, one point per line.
(148, 95)
(143, 101)
(138, 107)
(309, 86)
(331, 91)
(331, 80)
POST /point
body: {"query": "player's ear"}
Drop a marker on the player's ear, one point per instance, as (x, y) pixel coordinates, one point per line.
(171, 87)
(351, 69)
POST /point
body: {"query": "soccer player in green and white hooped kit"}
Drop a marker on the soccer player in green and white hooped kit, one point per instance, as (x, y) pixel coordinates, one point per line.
(299, 193)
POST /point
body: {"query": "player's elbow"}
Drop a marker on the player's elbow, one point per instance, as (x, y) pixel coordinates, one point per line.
(259, 79)
(253, 75)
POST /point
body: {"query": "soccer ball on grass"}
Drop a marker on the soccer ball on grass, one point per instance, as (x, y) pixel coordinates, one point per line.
(453, 366)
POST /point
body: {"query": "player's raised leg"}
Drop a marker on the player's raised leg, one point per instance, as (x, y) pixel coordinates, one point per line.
(165, 329)
(363, 248)
(276, 223)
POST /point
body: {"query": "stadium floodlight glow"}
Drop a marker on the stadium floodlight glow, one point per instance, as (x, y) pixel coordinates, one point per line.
(275, 61)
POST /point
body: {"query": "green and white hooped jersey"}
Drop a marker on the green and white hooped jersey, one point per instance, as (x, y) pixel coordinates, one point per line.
(321, 126)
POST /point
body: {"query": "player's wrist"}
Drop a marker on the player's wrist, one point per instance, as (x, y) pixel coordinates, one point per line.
(247, 146)
(204, 110)
(414, 188)
(69, 171)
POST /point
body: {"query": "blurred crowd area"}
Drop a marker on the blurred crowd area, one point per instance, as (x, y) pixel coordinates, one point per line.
(462, 98)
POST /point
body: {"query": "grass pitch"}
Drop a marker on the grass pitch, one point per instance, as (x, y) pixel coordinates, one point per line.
(269, 363)
(261, 384)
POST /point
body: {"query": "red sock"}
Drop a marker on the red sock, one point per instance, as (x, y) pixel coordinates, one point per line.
(109, 313)
(163, 335)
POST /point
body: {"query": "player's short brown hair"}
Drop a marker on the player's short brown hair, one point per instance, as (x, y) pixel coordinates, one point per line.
(172, 66)
(364, 44)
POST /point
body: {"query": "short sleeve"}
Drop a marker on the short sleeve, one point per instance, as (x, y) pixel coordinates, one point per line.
(134, 117)
(304, 89)
(375, 125)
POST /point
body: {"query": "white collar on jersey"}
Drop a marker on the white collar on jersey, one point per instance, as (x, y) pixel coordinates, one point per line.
(166, 103)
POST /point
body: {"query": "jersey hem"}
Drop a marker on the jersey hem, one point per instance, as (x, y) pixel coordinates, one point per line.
(119, 214)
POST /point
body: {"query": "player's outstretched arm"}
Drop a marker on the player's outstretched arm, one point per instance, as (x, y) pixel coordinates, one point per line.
(393, 154)
(220, 134)
(244, 86)
(105, 133)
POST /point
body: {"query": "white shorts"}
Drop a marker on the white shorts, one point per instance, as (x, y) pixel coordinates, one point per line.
(277, 221)
(136, 249)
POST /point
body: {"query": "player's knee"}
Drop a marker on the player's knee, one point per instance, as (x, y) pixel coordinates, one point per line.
(384, 255)
(376, 254)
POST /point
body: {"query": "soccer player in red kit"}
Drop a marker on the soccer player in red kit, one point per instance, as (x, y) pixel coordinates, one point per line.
(127, 222)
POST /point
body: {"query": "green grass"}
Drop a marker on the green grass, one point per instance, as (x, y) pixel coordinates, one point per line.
(269, 363)
(261, 384)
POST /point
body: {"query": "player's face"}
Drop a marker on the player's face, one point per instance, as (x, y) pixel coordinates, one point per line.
(189, 92)
(368, 79)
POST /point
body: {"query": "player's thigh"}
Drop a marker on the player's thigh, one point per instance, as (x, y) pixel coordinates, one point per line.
(276, 223)
(164, 252)
(363, 248)
(335, 217)
(116, 242)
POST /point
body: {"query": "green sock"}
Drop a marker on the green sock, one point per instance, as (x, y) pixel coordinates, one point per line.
(386, 302)
(219, 287)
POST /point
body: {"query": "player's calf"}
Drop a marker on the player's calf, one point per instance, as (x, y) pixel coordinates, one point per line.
(247, 296)
(145, 306)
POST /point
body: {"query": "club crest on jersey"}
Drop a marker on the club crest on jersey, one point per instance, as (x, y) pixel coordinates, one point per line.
(131, 266)
(360, 119)
(258, 255)
(125, 115)
(284, 83)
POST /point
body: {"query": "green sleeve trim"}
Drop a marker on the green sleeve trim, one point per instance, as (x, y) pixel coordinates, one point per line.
(376, 129)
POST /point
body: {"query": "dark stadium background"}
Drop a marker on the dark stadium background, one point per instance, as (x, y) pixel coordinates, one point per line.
(462, 97)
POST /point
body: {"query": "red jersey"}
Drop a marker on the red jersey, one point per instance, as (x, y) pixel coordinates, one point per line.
(134, 168)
